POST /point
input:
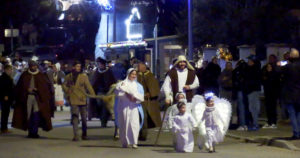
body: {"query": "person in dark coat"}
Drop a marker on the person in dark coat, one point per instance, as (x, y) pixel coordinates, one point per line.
(253, 90)
(199, 73)
(225, 81)
(291, 90)
(271, 84)
(102, 80)
(211, 75)
(33, 108)
(6, 96)
(239, 94)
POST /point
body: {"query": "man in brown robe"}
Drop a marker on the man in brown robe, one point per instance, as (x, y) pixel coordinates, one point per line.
(33, 102)
(150, 105)
(181, 78)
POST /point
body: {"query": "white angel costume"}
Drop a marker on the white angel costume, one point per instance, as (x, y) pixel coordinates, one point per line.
(212, 122)
(172, 111)
(128, 111)
(183, 129)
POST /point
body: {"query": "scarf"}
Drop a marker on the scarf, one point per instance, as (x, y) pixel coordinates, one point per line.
(33, 73)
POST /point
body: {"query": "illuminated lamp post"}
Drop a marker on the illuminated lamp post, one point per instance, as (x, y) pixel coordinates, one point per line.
(190, 29)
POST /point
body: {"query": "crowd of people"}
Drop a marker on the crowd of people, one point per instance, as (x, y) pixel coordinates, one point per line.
(129, 95)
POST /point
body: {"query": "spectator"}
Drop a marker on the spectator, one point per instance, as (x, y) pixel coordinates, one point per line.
(199, 73)
(56, 77)
(225, 81)
(211, 75)
(253, 84)
(291, 91)
(271, 84)
(6, 96)
(239, 93)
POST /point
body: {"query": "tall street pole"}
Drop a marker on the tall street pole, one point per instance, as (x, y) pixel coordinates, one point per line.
(190, 29)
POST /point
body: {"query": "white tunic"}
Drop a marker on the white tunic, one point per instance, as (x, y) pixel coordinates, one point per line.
(172, 111)
(182, 77)
(128, 114)
(183, 130)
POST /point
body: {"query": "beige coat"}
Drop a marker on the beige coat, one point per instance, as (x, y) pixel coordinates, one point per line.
(76, 93)
(150, 105)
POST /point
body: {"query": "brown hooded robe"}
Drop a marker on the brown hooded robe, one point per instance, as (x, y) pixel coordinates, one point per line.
(151, 105)
(43, 97)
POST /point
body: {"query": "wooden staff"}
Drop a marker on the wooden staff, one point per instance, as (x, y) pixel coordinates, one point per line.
(160, 128)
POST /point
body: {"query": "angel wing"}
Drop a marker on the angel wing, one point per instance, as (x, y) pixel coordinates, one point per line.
(198, 107)
(170, 114)
(224, 109)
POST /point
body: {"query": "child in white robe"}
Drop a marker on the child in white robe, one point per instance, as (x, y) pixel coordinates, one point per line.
(216, 118)
(182, 127)
(172, 111)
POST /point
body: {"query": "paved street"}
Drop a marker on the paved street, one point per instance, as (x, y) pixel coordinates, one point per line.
(57, 143)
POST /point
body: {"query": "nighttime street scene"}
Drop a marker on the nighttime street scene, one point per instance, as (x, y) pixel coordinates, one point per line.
(150, 78)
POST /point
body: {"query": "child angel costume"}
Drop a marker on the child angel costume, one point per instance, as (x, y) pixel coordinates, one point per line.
(172, 111)
(212, 122)
(183, 125)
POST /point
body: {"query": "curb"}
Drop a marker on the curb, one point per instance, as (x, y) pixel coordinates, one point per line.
(268, 141)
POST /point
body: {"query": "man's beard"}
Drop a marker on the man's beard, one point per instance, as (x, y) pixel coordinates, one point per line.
(182, 67)
(33, 70)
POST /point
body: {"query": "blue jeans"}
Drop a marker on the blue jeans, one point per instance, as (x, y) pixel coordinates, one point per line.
(295, 119)
(254, 106)
(241, 108)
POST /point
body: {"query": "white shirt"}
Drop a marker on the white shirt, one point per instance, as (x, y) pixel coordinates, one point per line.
(182, 77)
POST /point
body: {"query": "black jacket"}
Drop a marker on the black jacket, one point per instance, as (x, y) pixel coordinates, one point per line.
(253, 78)
(239, 78)
(271, 82)
(103, 80)
(6, 87)
(211, 75)
(291, 83)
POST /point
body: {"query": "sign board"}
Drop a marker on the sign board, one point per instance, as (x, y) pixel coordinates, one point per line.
(11, 32)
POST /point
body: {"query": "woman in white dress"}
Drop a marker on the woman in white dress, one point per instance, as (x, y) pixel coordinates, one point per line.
(130, 94)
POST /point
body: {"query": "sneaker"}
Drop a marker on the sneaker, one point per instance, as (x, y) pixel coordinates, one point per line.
(242, 128)
(273, 126)
(266, 126)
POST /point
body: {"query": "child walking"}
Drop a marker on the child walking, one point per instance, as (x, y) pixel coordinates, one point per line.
(215, 120)
(182, 128)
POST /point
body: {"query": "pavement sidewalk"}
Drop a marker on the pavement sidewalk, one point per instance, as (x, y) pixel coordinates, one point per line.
(270, 137)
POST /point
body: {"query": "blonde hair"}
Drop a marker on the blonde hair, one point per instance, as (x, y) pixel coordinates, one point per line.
(294, 53)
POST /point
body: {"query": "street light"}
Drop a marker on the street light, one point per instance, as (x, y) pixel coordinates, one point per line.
(190, 29)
